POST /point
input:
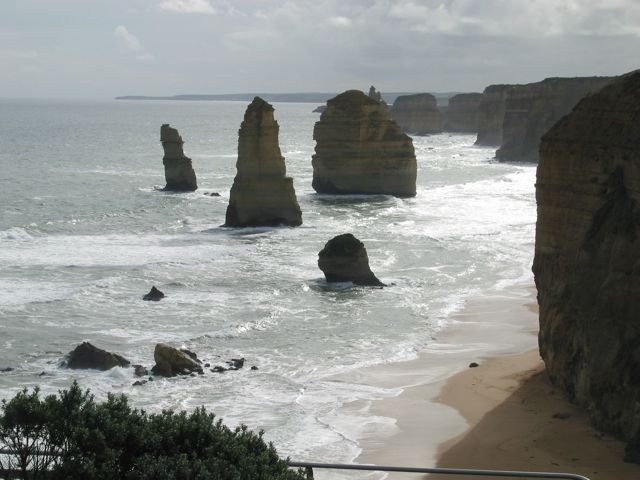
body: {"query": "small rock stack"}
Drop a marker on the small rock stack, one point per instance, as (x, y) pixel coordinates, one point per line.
(178, 171)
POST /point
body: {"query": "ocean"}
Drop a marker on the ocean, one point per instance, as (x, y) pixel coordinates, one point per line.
(85, 232)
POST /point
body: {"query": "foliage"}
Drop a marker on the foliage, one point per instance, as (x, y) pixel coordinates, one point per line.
(78, 438)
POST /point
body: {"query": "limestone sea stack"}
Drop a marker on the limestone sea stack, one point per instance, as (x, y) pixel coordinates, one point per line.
(344, 259)
(178, 171)
(491, 115)
(359, 149)
(532, 109)
(462, 113)
(418, 114)
(262, 195)
(587, 256)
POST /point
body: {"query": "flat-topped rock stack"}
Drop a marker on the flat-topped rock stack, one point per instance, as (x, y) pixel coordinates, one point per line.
(418, 114)
(491, 115)
(532, 109)
(178, 171)
(262, 194)
(587, 256)
(359, 149)
(462, 113)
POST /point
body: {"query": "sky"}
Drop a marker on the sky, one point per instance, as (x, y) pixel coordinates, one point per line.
(106, 48)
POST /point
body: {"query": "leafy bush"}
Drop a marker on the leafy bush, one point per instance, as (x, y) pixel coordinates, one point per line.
(78, 438)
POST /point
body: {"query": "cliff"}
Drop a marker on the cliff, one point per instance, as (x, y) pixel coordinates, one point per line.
(178, 171)
(491, 114)
(417, 114)
(359, 149)
(532, 109)
(462, 113)
(587, 255)
(261, 194)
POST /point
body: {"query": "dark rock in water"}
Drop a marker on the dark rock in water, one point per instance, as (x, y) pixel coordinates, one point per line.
(254, 367)
(320, 109)
(262, 194)
(139, 383)
(86, 355)
(151, 379)
(154, 295)
(344, 259)
(361, 150)
(191, 354)
(6, 369)
(170, 362)
(218, 369)
(473, 365)
(178, 171)
(236, 363)
(212, 194)
(207, 365)
(140, 371)
(587, 257)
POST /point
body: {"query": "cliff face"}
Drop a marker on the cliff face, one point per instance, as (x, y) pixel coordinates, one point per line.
(587, 255)
(418, 114)
(532, 109)
(491, 114)
(359, 149)
(462, 113)
(261, 193)
(178, 171)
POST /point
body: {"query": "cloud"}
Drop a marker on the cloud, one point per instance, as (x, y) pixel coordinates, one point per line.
(340, 21)
(24, 54)
(187, 6)
(127, 39)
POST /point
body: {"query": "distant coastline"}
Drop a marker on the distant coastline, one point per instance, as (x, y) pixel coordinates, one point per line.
(312, 97)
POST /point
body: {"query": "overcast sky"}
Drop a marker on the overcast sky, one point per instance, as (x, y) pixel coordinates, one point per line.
(104, 48)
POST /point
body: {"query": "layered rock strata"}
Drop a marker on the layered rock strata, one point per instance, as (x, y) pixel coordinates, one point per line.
(462, 113)
(178, 171)
(417, 114)
(359, 149)
(344, 259)
(532, 109)
(262, 194)
(587, 256)
(87, 355)
(491, 115)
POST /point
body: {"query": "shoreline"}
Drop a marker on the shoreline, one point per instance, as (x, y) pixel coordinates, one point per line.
(499, 415)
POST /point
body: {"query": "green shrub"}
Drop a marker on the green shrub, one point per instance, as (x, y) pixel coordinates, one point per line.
(85, 439)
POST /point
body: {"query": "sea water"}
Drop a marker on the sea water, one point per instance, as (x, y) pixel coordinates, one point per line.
(85, 232)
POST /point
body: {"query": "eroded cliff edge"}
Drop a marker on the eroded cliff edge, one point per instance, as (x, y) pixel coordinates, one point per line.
(587, 255)
(418, 114)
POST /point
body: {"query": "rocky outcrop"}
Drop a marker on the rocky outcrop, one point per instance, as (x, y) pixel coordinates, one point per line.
(320, 109)
(462, 113)
(154, 295)
(178, 171)
(171, 362)
(491, 115)
(587, 256)
(532, 109)
(262, 195)
(344, 259)
(417, 114)
(375, 94)
(86, 355)
(359, 149)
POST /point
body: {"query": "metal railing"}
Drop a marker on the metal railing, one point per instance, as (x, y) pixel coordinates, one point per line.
(309, 466)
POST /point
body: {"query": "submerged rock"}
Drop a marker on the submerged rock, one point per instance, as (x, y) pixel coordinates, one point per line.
(262, 195)
(178, 171)
(154, 295)
(462, 113)
(140, 371)
(417, 114)
(587, 257)
(359, 149)
(86, 355)
(344, 259)
(171, 362)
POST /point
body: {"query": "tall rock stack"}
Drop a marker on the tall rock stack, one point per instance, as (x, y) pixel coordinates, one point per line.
(491, 115)
(178, 171)
(261, 194)
(462, 113)
(532, 109)
(417, 114)
(359, 149)
(587, 256)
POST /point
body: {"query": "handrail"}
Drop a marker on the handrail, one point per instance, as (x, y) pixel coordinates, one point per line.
(444, 471)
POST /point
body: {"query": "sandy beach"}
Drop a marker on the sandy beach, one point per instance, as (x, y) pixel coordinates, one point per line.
(503, 414)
